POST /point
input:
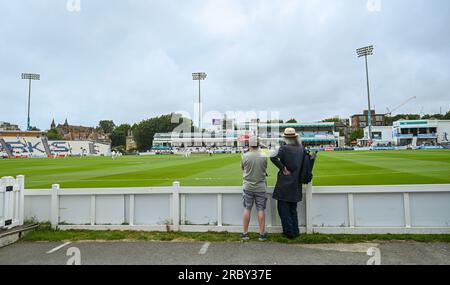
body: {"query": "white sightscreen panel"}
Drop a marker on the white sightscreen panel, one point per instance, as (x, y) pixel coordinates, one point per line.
(37, 208)
(330, 210)
(430, 209)
(109, 209)
(201, 209)
(75, 210)
(379, 210)
(152, 209)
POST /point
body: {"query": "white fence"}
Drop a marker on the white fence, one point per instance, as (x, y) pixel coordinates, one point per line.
(11, 202)
(334, 209)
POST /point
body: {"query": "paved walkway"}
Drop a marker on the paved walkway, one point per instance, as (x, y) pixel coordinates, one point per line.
(234, 253)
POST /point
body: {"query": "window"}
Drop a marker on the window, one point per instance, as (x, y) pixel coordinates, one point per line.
(376, 135)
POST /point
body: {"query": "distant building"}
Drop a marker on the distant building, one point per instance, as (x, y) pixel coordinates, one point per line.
(422, 132)
(270, 134)
(360, 121)
(5, 126)
(79, 133)
(130, 142)
(381, 136)
(410, 133)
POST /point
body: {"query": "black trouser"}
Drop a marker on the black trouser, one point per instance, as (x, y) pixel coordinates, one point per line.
(289, 218)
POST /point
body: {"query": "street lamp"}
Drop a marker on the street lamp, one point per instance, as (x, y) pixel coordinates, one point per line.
(366, 51)
(199, 76)
(29, 77)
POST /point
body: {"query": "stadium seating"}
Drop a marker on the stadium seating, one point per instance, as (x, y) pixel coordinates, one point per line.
(25, 146)
(40, 147)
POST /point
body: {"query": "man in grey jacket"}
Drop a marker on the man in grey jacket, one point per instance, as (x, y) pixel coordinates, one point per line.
(254, 165)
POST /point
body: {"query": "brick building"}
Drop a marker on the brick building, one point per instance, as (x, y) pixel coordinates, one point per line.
(79, 133)
(361, 120)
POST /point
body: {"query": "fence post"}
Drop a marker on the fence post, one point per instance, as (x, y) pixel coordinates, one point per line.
(8, 202)
(3, 206)
(351, 210)
(21, 182)
(176, 206)
(308, 202)
(131, 211)
(55, 206)
(219, 210)
(407, 209)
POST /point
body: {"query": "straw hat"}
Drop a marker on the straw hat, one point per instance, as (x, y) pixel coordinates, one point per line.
(290, 133)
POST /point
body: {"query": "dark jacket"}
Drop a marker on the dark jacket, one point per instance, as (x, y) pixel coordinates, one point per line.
(288, 188)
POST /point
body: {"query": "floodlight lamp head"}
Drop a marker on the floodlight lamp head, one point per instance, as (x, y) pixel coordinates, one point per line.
(365, 51)
(31, 76)
(199, 76)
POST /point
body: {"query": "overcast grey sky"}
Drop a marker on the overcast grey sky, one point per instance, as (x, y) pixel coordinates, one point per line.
(131, 60)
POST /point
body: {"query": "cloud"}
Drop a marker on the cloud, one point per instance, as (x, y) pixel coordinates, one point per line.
(130, 60)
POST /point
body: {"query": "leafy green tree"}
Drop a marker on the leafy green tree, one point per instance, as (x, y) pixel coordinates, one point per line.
(435, 116)
(332, 120)
(119, 135)
(54, 135)
(292, 121)
(447, 116)
(356, 134)
(390, 120)
(107, 126)
(144, 131)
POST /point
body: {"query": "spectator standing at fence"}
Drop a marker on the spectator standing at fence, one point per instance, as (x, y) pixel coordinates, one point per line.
(288, 189)
(254, 165)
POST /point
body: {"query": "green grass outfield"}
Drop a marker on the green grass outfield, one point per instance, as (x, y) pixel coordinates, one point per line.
(332, 168)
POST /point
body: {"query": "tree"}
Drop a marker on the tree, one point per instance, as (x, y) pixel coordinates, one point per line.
(433, 117)
(447, 116)
(390, 120)
(275, 122)
(356, 134)
(35, 129)
(292, 121)
(332, 120)
(107, 126)
(119, 135)
(144, 131)
(54, 135)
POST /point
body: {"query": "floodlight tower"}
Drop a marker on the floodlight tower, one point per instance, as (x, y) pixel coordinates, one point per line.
(199, 76)
(29, 77)
(366, 51)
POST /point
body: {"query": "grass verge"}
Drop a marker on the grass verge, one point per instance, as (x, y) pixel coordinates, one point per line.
(45, 233)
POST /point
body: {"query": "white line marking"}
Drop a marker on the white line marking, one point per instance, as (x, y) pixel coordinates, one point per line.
(58, 247)
(204, 248)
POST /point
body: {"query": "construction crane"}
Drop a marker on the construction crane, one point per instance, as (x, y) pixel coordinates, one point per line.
(389, 113)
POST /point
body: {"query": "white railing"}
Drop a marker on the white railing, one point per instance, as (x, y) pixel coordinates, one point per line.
(331, 209)
(11, 202)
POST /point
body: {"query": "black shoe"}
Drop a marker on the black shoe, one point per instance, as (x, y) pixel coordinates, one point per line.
(245, 237)
(288, 236)
(262, 237)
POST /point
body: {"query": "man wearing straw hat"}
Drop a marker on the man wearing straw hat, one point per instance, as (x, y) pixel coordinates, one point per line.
(288, 189)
